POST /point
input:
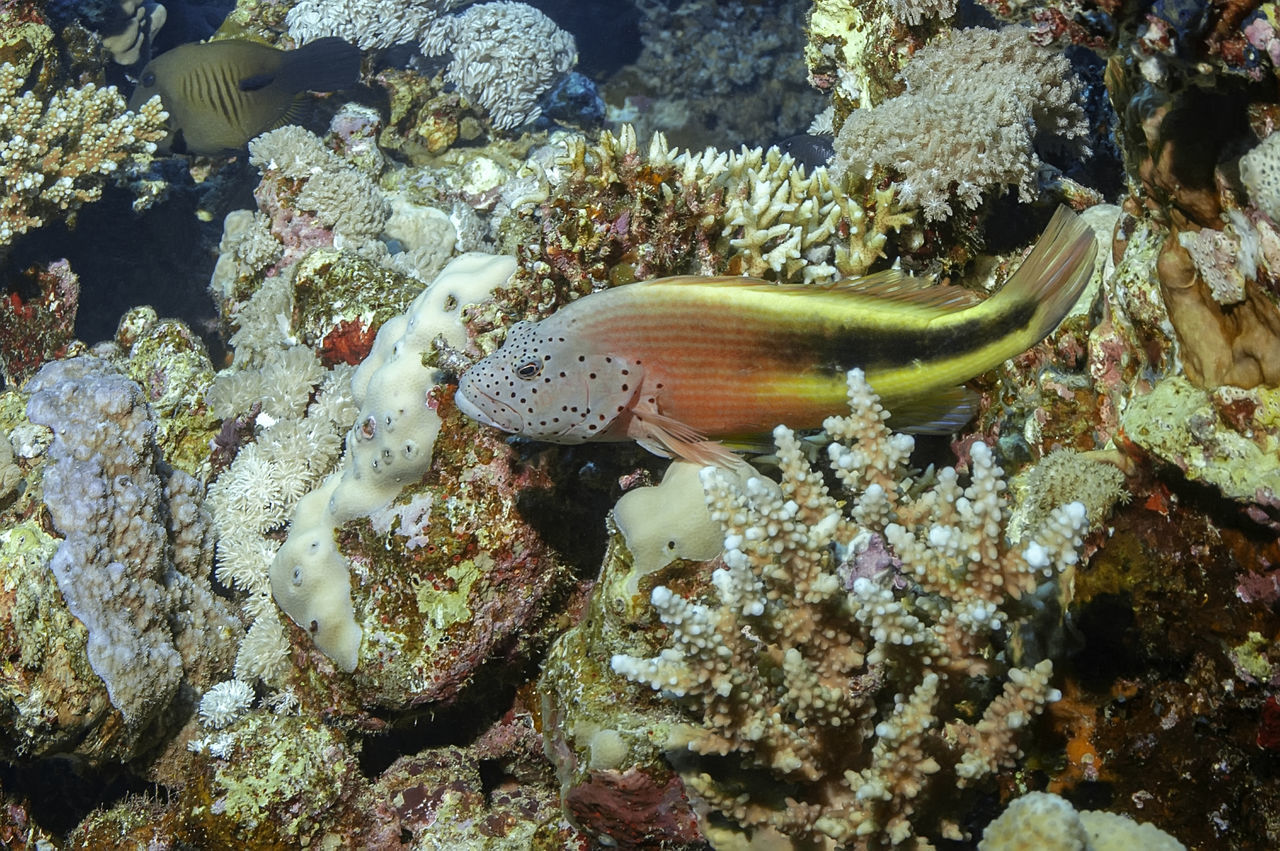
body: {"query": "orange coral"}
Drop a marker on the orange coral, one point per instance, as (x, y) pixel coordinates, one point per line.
(1236, 344)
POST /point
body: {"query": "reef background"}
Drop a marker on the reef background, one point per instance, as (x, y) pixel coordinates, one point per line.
(880, 642)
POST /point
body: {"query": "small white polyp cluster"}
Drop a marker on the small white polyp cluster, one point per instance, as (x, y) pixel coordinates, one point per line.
(224, 703)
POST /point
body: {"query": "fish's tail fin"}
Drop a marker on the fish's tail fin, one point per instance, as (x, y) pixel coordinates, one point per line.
(323, 65)
(1051, 278)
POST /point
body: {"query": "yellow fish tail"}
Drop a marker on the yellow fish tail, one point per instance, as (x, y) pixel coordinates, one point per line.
(1052, 278)
(1029, 306)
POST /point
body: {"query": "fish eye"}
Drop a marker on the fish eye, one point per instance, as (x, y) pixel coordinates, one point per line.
(149, 79)
(529, 369)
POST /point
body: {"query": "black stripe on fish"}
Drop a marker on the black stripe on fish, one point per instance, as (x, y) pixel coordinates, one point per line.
(219, 80)
(880, 348)
(235, 98)
(203, 95)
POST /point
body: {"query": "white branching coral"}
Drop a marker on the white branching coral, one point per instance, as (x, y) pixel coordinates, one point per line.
(973, 107)
(779, 221)
(58, 154)
(506, 55)
(843, 631)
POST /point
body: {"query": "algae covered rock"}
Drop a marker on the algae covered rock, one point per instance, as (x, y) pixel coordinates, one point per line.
(1228, 438)
(279, 780)
(607, 737)
(448, 582)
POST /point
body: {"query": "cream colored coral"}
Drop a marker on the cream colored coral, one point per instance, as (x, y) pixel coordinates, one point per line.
(390, 445)
(793, 658)
(505, 56)
(1041, 821)
(779, 222)
(668, 521)
(58, 154)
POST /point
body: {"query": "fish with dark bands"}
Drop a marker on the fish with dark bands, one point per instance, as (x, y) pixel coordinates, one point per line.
(671, 362)
(221, 94)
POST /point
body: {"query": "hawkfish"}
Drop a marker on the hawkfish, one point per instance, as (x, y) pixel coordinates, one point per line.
(675, 363)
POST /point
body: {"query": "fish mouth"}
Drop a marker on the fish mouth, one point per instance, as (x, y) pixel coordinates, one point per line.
(494, 414)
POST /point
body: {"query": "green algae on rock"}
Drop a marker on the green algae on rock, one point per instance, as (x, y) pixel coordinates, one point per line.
(1228, 438)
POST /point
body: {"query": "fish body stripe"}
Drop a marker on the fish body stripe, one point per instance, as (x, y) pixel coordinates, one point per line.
(735, 356)
(704, 341)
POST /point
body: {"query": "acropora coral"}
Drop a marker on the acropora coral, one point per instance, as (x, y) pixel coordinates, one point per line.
(830, 671)
(60, 152)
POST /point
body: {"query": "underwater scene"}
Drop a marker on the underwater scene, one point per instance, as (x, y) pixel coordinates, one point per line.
(640, 424)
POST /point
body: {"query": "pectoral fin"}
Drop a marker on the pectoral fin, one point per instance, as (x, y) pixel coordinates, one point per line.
(256, 81)
(946, 412)
(670, 438)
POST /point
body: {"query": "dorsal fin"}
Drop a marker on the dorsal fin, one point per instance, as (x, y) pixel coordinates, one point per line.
(896, 285)
(888, 285)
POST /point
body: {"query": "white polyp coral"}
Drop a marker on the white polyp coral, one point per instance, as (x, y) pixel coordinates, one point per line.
(506, 55)
(365, 23)
(915, 11)
(1000, 86)
(343, 198)
(224, 703)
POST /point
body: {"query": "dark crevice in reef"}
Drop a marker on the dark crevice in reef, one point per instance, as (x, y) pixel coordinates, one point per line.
(161, 257)
(493, 691)
(61, 791)
(570, 515)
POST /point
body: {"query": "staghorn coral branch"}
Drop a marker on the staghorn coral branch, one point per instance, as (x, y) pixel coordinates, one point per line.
(57, 155)
(844, 688)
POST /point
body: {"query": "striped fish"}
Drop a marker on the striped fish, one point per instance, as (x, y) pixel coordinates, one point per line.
(671, 362)
(221, 94)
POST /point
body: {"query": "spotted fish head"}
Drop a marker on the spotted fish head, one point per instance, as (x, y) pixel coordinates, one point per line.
(542, 385)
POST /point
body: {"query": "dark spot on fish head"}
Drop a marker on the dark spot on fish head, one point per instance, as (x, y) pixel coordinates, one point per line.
(546, 384)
